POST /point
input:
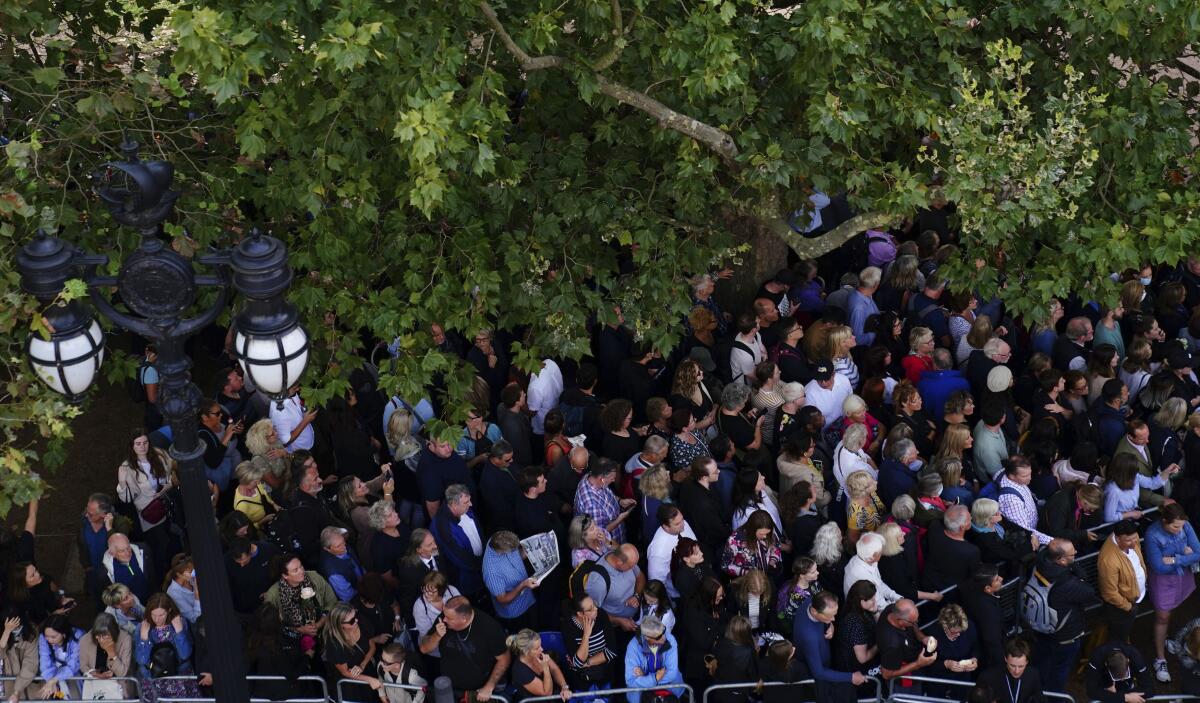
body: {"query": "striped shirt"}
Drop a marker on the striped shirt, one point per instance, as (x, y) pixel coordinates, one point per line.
(596, 644)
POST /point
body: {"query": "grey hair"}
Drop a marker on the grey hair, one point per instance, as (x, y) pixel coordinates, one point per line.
(870, 277)
(900, 448)
(827, 544)
(329, 533)
(993, 346)
(504, 542)
(904, 507)
(853, 404)
(700, 282)
(734, 396)
(957, 517)
(855, 437)
(869, 545)
(942, 360)
(654, 444)
(377, 514)
(456, 492)
(499, 448)
(651, 626)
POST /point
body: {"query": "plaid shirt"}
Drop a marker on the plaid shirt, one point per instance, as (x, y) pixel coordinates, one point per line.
(601, 505)
(1021, 509)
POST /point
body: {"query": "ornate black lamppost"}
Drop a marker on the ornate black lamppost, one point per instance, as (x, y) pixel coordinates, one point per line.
(159, 287)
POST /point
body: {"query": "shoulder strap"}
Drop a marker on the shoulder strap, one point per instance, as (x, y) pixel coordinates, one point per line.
(738, 344)
(1008, 491)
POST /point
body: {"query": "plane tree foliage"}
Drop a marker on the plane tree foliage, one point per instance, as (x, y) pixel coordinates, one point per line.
(530, 164)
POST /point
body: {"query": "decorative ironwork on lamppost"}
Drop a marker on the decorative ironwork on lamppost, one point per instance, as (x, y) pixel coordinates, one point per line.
(159, 287)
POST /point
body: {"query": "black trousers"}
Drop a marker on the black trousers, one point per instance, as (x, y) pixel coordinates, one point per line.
(1120, 622)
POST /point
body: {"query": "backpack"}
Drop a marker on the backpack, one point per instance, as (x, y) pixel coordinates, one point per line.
(573, 417)
(136, 386)
(993, 490)
(724, 365)
(1035, 606)
(164, 660)
(881, 248)
(578, 581)
(281, 532)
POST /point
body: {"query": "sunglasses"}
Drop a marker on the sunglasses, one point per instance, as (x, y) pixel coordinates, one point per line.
(351, 621)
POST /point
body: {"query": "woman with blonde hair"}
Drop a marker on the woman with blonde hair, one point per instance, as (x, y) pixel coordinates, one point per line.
(837, 349)
(956, 444)
(978, 335)
(752, 595)
(403, 446)
(655, 487)
(262, 441)
(864, 509)
(898, 564)
(588, 540)
(703, 324)
(689, 388)
(533, 672)
(958, 647)
(348, 654)
(249, 498)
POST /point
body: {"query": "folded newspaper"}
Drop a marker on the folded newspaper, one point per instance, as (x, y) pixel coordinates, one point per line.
(542, 552)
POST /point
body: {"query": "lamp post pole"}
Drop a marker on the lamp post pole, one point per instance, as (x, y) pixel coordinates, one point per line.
(158, 286)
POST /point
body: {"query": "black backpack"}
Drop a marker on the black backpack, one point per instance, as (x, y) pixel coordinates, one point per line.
(724, 350)
(164, 660)
(573, 417)
(281, 532)
(136, 386)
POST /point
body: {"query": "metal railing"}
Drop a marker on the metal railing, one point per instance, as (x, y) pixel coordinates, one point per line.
(428, 690)
(754, 685)
(319, 681)
(128, 683)
(605, 693)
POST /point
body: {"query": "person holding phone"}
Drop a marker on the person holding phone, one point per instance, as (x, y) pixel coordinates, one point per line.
(595, 498)
(220, 453)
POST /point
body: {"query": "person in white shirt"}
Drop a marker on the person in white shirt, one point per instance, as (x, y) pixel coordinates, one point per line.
(827, 391)
(849, 455)
(293, 422)
(671, 526)
(748, 350)
(864, 566)
(541, 397)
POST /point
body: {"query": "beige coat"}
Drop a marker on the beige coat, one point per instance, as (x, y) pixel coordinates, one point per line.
(21, 661)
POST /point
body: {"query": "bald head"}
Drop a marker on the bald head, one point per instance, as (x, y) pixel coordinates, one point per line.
(579, 459)
(118, 547)
(624, 558)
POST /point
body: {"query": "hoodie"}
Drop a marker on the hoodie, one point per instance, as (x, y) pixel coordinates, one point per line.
(638, 655)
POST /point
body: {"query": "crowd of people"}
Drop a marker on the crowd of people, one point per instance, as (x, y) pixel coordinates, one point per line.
(839, 483)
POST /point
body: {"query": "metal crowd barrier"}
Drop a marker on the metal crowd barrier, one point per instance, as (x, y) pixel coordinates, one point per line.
(878, 698)
(1058, 696)
(129, 682)
(1166, 697)
(428, 690)
(605, 693)
(309, 679)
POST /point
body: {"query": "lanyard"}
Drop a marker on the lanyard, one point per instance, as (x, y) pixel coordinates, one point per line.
(1013, 696)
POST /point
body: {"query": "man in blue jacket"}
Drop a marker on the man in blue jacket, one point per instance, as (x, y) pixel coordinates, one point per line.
(652, 660)
(937, 385)
(811, 633)
(1107, 416)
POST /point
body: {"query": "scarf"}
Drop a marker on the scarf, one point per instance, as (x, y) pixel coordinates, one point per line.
(295, 609)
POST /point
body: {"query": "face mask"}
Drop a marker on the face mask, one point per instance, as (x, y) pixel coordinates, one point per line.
(192, 574)
(916, 464)
(1145, 281)
(937, 493)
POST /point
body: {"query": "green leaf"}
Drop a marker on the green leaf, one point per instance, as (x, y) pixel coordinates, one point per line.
(50, 76)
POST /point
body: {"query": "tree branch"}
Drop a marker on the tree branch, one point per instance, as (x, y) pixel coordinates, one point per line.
(716, 139)
(807, 248)
(618, 44)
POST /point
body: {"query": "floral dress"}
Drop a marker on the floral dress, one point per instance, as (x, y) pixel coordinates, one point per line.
(681, 454)
(740, 557)
(152, 688)
(791, 597)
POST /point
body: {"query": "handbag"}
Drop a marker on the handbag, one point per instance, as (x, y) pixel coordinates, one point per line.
(155, 511)
(102, 690)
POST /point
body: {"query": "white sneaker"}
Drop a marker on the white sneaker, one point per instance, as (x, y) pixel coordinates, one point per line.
(1160, 671)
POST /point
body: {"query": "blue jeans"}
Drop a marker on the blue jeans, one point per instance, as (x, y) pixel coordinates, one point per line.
(1055, 660)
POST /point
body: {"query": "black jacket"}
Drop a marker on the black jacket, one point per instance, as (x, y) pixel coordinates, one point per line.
(1059, 518)
(736, 663)
(703, 511)
(948, 562)
(988, 615)
(1098, 680)
(1029, 689)
(1070, 596)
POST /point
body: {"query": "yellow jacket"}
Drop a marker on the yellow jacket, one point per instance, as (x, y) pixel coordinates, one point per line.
(1117, 581)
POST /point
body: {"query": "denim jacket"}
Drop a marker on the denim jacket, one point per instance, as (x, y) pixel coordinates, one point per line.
(1160, 543)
